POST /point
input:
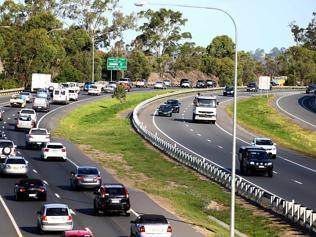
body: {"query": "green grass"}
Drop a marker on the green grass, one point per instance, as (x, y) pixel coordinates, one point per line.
(113, 143)
(258, 115)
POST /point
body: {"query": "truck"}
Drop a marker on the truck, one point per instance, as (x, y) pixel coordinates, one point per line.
(37, 137)
(204, 108)
(40, 81)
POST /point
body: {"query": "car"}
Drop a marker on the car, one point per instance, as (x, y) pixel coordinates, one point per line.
(186, 83)
(87, 85)
(73, 95)
(200, 84)
(267, 144)
(210, 83)
(61, 96)
(150, 225)
(112, 198)
(141, 84)
(37, 137)
(254, 160)
(17, 101)
(71, 86)
(86, 232)
(94, 90)
(54, 217)
(175, 104)
(54, 150)
(110, 88)
(228, 90)
(159, 85)
(43, 93)
(167, 82)
(27, 189)
(252, 86)
(126, 81)
(41, 104)
(24, 122)
(30, 112)
(7, 147)
(311, 89)
(165, 110)
(85, 177)
(14, 165)
(1, 114)
(27, 95)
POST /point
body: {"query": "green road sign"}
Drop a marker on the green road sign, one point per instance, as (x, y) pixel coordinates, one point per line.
(117, 64)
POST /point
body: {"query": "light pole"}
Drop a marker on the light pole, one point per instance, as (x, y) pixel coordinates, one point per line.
(92, 40)
(233, 180)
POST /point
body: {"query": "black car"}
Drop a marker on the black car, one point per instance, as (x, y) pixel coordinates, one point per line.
(175, 104)
(30, 189)
(200, 84)
(254, 160)
(252, 86)
(112, 198)
(228, 90)
(165, 110)
(311, 89)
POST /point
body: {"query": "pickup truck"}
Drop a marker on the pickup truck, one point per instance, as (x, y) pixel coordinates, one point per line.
(37, 137)
(17, 101)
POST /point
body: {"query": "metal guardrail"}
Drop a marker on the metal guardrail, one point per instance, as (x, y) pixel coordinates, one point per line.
(290, 210)
(10, 91)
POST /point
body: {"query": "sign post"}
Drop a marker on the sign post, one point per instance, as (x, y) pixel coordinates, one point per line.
(264, 83)
(116, 64)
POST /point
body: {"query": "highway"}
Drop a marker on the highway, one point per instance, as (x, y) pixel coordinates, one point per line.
(57, 174)
(294, 174)
(301, 107)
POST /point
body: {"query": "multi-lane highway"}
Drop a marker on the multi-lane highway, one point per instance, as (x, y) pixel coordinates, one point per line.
(294, 173)
(56, 174)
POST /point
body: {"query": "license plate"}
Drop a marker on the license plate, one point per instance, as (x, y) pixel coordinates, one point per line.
(88, 180)
(115, 200)
(32, 195)
(261, 166)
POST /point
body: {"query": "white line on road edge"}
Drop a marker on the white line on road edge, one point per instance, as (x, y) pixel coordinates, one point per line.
(209, 140)
(295, 181)
(292, 115)
(35, 171)
(199, 134)
(57, 195)
(220, 147)
(275, 172)
(45, 182)
(11, 217)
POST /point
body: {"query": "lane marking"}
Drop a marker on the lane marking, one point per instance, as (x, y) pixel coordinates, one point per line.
(275, 172)
(191, 130)
(17, 229)
(298, 182)
(209, 140)
(57, 195)
(199, 134)
(45, 182)
(220, 147)
(35, 171)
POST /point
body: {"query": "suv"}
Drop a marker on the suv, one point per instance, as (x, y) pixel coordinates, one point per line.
(252, 86)
(311, 89)
(200, 84)
(254, 159)
(266, 144)
(228, 90)
(10, 147)
(29, 112)
(112, 197)
(41, 104)
(185, 83)
(175, 104)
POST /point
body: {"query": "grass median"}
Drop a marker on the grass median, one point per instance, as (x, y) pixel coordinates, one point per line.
(259, 115)
(103, 132)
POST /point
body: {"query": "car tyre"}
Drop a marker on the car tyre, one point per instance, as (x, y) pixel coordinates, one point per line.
(127, 213)
(39, 230)
(270, 173)
(44, 198)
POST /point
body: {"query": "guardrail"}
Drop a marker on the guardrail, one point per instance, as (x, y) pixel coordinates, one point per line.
(290, 210)
(10, 91)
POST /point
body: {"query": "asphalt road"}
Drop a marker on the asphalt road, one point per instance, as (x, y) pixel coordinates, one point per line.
(57, 174)
(300, 107)
(294, 173)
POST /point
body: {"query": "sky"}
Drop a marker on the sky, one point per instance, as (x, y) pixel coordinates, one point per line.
(260, 23)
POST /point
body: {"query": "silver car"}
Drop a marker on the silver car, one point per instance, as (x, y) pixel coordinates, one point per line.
(54, 217)
(15, 165)
(85, 177)
(150, 225)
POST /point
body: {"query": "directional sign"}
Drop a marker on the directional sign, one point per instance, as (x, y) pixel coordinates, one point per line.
(117, 64)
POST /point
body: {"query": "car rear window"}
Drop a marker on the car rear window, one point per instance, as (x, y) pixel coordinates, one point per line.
(153, 220)
(25, 118)
(55, 146)
(56, 211)
(26, 111)
(16, 161)
(38, 132)
(88, 171)
(264, 142)
(6, 144)
(115, 191)
(28, 183)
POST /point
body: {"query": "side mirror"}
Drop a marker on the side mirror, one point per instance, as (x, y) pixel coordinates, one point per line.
(274, 144)
(38, 212)
(72, 173)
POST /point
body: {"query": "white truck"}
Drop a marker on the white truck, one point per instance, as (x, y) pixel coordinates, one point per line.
(204, 108)
(37, 137)
(40, 81)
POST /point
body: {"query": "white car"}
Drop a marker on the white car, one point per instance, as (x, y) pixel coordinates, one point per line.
(16, 165)
(94, 90)
(37, 137)
(29, 112)
(54, 217)
(110, 88)
(24, 122)
(17, 101)
(267, 144)
(54, 150)
(73, 95)
(159, 85)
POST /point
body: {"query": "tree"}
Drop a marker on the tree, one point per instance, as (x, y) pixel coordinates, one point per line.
(139, 66)
(120, 93)
(221, 47)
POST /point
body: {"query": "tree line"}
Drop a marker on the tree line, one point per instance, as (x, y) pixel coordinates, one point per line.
(39, 36)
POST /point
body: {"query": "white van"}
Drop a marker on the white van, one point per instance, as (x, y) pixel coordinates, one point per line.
(61, 96)
(73, 95)
(72, 85)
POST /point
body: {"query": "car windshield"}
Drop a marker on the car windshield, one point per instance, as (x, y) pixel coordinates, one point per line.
(252, 84)
(172, 102)
(93, 87)
(26, 111)
(38, 132)
(65, 84)
(24, 93)
(16, 161)
(56, 211)
(55, 146)
(88, 171)
(115, 191)
(153, 220)
(71, 91)
(28, 183)
(229, 88)
(264, 142)
(6, 144)
(211, 103)
(164, 107)
(258, 155)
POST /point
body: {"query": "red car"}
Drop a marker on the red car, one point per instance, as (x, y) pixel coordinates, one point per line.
(78, 233)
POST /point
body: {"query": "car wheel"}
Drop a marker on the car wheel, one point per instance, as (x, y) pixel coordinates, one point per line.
(270, 173)
(241, 170)
(44, 198)
(17, 198)
(127, 213)
(39, 229)
(170, 115)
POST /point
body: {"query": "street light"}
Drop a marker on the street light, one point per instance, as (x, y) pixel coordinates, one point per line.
(232, 209)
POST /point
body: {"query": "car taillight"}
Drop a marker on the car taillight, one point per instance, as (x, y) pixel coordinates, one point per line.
(47, 136)
(126, 192)
(30, 136)
(22, 190)
(169, 229)
(97, 178)
(79, 177)
(63, 150)
(41, 190)
(142, 229)
(44, 218)
(69, 218)
(46, 150)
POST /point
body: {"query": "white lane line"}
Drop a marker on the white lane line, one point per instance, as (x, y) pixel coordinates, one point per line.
(275, 172)
(17, 229)
(57, 195)
(45, 182)
(35, 171)
(298, 182)
(209, 140)
(182, 114)
(8, 118)
(199, 134)
(187, 125)
(220, 147)
(191, 130)
(13, 115)
(3, 127)
(292, 115)
(4, 123)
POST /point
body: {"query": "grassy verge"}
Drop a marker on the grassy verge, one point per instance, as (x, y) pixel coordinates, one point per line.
(107, 137)
(258, 115)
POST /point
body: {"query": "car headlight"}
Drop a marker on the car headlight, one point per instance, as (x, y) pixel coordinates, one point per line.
(270, 163)
(252, 163)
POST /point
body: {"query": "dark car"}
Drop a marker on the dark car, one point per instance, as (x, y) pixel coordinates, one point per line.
(30, 189)
(311, 89)
(252, 86)
(1, 114)
(85, 177)
(200, 84)
(228, 90)
(87, 85)
(165, 110)
(175, 104)
(254, 160)
(112, 198)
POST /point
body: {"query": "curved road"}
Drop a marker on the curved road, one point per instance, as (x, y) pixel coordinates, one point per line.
(294, 174)
(57, 175)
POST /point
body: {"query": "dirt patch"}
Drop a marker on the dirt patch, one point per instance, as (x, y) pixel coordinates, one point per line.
(215, 206)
